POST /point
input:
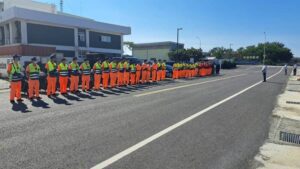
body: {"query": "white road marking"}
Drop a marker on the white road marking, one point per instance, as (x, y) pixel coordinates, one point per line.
(148, 140)
(183, 86)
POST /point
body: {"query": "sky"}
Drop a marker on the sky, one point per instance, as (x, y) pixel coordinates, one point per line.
(211, 22)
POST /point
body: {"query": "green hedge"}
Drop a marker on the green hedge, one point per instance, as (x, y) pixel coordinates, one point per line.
(228, 65)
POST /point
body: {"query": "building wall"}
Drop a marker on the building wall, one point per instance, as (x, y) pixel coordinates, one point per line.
(44, 34)
(29, 4)
(151, 53)
(95, 41)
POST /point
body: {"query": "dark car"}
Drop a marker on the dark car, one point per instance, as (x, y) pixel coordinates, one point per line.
(169, 72)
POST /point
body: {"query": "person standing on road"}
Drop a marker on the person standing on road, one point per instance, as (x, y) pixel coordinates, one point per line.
(144, 72)
(51, 68)
(148, 72)
(97, 74)
(85, 67)
(15, 78)
(113, 73)
(285, 69)
(126, 72)
(154, 71)
(158, 76)
(264, 72)
(33, 73)
(63, 71)
(295, 69)
(105, 73)
(138, 73)
(75, 72)
(120, 69)
(132, 74)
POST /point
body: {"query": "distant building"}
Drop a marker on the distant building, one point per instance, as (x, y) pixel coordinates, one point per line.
(158, 50)
(32, 28)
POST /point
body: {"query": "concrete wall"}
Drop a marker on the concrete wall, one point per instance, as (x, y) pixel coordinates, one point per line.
(95, 41)
(151, 53)
(44, 34)
(29, 4)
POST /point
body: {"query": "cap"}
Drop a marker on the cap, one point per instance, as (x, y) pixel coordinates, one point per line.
(53, 56)
(86, 59)
(74, 58)
(33, 59)
(16, 56)
(63, 59)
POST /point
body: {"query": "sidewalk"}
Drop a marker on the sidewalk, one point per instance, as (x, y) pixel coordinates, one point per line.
(282, 148)
(4, 84)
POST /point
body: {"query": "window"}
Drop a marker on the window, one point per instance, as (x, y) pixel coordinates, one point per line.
(106, 39)
(81, 36)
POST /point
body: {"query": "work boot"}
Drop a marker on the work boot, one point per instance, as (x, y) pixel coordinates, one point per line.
(12, 102)
(38, 98)
(20, 100)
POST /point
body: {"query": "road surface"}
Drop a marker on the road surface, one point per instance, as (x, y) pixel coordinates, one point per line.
(216, 123)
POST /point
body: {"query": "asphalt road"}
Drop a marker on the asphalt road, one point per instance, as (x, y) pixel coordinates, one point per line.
(83, 131)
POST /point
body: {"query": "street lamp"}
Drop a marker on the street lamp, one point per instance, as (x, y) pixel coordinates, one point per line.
(265, 48)
(199, 41)
(178, 29)
(230, 49)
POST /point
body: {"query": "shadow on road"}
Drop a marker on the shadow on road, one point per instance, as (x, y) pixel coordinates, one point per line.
(97, 94)
(72, 98)
(58, 100)
(84, 96)
(20, 107)
(40, 103)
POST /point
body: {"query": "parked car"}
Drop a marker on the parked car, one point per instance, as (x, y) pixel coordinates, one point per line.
(169, 70)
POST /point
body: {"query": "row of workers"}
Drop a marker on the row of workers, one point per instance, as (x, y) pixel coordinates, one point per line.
(122, 73)
(187, 70)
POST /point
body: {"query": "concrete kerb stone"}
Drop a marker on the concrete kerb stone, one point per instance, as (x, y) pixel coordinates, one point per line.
(276, 153)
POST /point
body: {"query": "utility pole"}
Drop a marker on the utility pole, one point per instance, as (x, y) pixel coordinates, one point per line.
(61, 5)
(230, 49)
(265, 48)
(178, 29)
(199, 41)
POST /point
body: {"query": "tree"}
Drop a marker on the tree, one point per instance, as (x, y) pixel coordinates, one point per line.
(186, 54)
(218, 52)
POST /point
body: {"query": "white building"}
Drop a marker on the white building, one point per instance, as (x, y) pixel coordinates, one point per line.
(29, 23)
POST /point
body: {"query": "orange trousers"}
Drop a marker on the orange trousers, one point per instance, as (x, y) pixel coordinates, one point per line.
(120, 78)
(74, 83)
(126, 78)
(175, 74)
(105, 77)
(202, 72)
(113, 79)
(132, 78)
(154, 74)
(158, 76)
(148, 76)
(15, 90)
(85, 82)
(138, 77)
(144, 76)
(33, 88)
(63, 83)
(163, 74)
(51, 85)
(97, 81)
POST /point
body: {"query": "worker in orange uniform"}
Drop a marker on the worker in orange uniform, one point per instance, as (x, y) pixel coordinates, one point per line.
(148, 72)
(75, 73)
(158, 76)
(105, 73)
(126, 72)
(138, 68)
(132, 74)
(163, 70)
(97, 74)
(113, 73)
(154, 71)
(175, 71)
(63, 72)
(15, 78)
(144, 72)
(52, 76)
(85, 68)
(33, 71)
(120, 70)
